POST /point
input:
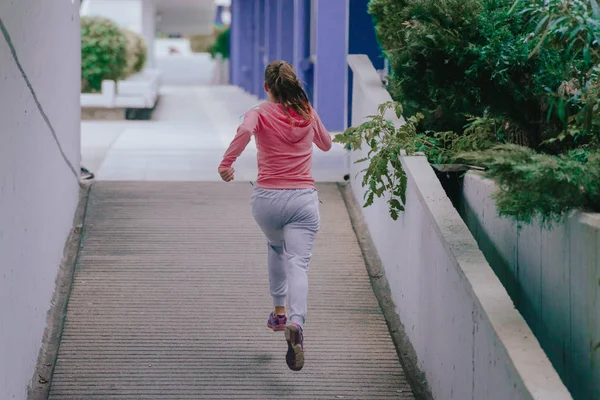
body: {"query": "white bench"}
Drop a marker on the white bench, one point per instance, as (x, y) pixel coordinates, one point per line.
(138, 91)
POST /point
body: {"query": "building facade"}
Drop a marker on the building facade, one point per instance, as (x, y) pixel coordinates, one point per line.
(315, 36)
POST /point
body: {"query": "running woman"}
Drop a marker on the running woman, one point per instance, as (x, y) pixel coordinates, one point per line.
(285, 202)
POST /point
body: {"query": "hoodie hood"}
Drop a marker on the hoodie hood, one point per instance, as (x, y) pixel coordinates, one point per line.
(289, 125)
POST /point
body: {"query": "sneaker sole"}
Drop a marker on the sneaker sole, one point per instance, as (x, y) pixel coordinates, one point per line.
(276, 328)
(295, 355)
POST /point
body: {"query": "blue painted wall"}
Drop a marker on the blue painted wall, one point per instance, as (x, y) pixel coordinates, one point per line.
(330, 78)
(287, 27)
(302, 65)
(267, 30)
(258, 47)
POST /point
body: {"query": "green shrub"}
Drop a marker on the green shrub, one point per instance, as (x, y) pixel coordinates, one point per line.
(518, 60)
(103, 53)
(221, 45)
(454, 58)
(141, 57)
(386, 142)
(570, 29)
(533, 185)
(530, 185)
(475, 74)
(137, 52)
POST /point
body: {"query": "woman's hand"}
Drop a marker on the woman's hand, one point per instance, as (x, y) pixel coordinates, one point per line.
(226, 173)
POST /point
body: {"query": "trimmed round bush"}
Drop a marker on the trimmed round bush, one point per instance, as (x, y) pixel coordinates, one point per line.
(141, 56)
(137, 52)
(103, 53)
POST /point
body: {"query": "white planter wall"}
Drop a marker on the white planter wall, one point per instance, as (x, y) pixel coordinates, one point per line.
(469, 340)
(552, 275)
(221, 71)
(138, 91)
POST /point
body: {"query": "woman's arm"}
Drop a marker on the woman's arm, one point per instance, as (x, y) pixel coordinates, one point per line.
(241, 139)
(322, 137)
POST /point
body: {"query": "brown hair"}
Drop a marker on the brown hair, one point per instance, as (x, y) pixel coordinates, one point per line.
(286, 89)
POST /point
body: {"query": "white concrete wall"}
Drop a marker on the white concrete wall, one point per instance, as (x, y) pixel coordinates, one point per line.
(38, 191)
(469, 340)
(553, 277)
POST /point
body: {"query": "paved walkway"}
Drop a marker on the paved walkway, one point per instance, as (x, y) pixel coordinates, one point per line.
(171, 297)
(189, 133)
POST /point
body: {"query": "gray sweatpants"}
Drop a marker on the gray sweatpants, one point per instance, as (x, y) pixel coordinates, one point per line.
(290, 221)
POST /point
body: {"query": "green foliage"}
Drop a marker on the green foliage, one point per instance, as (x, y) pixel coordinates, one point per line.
(137, 52)
(570, 29)
(478, 74)
(141, 57)
(532, 62)
(533, 185)
(103, 52)
(450, 59)
(385, 143)
(384, 173)
(440, 147)
(221, 45)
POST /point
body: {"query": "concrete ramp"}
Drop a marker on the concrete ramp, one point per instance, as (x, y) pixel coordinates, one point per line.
(170, 301)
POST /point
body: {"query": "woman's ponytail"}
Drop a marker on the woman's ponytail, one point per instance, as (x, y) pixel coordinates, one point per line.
(286, 89)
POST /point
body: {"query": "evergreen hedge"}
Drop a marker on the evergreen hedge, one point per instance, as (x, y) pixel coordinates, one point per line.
(478, 74)
(108, 53)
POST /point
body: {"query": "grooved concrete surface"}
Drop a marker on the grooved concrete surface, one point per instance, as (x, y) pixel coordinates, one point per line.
(170, 301)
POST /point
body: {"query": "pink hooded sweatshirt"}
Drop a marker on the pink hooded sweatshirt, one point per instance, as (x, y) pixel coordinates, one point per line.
(285, 144)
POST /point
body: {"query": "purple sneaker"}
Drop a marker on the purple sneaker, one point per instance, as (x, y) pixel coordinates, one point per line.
(277, 323)
(295, 354)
